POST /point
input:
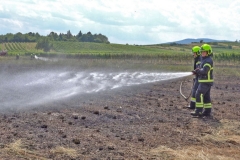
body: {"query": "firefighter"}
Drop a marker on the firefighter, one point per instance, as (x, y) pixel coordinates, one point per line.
(205, 79)
(197, 61)
(32, 56)
(17, 56)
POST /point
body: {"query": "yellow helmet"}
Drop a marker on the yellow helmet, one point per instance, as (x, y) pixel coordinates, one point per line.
(196, 49)
(207, 48)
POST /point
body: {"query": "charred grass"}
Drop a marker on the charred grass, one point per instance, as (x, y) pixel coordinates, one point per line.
(215, 143)
(20, 150)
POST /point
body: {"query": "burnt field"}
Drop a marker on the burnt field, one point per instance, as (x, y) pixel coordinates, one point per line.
(137, 121)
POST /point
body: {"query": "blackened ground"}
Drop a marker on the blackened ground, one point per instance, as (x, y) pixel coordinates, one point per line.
(126, 124)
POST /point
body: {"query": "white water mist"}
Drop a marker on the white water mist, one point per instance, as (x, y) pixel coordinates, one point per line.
(44, 86)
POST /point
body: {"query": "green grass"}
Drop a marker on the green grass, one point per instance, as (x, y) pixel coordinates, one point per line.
(228, 52)
(220, 68)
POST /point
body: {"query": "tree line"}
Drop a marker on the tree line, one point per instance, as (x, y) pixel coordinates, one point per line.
(53, 36)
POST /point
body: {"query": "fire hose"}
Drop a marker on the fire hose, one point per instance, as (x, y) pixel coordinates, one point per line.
(185, 97)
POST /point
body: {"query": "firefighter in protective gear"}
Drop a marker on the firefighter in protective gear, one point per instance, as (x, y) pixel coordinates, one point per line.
(205, 79)
(197, 62)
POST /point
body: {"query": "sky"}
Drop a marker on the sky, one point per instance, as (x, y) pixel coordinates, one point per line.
(125, 21)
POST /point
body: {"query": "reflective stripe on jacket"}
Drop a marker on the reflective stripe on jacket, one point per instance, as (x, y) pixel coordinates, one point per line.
(205, 73)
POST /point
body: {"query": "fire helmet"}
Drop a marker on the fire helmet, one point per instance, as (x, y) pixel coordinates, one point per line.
(207, 48)
(196, 49)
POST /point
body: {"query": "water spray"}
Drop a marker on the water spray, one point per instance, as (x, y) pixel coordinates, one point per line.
(42, 86)
(43, 58)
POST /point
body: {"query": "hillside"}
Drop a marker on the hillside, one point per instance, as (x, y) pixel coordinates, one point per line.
(222, 50)
(89, 48)
(197, 40)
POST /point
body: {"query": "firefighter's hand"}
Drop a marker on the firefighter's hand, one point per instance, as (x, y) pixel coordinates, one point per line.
(195, 71)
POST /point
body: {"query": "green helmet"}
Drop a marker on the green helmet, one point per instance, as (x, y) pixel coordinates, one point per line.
(207, 48)
(196, 49)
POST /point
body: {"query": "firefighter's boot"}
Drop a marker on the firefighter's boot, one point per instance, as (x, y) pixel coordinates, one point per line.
(192, 105)
(197, 112)
(207, 112)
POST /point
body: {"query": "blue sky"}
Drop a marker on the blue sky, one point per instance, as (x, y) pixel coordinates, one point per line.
(125, 21)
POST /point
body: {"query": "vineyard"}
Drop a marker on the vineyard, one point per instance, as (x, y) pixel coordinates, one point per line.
(18, 48)
(222, 51)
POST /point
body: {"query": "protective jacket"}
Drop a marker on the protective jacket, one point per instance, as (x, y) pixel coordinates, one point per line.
(205, 73)
(197, 64)
(205, 79)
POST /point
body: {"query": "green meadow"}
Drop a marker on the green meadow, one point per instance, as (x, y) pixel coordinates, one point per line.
(222, 51)
(173, 56)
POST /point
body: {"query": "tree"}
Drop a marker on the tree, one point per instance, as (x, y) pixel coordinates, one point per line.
(9, 37)
(53, 36)
(79, 35)
(31, 34)
(37, 35)
(69, 34)
(60, 36)
(100, 38)
(201, 41)
(44, 44)
(87, 37)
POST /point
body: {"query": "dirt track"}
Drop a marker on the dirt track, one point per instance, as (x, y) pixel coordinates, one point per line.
(139, 123)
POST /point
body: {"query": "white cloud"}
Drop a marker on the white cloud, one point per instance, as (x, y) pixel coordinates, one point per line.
(134, 21)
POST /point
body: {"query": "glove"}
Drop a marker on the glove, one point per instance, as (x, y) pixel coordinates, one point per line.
(195, 71)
